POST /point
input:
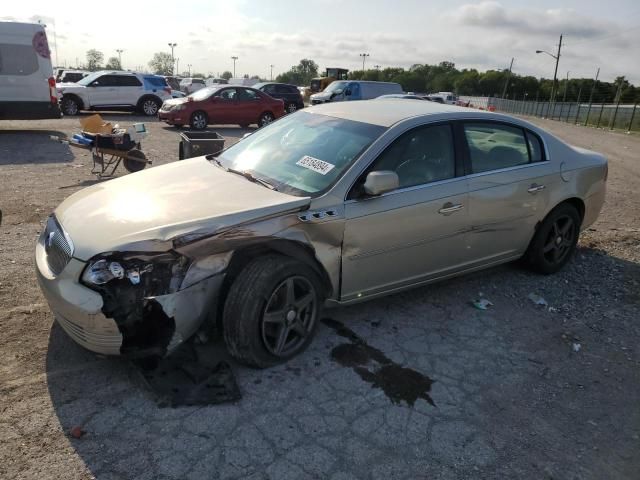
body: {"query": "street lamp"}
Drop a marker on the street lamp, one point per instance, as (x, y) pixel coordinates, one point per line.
(119, 51)
(234, 58)
(364, 56)
(555, 73)
(189, 67)
(271, 72)
(172, 45)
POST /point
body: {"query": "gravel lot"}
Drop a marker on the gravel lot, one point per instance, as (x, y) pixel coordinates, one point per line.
(519, 390)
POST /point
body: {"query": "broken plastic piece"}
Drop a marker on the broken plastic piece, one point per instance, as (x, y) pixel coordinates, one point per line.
(576, 347)
(537, 299)
(482, 304)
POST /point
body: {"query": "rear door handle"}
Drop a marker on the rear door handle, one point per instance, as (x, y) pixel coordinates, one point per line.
(449, 208)
(535, 188)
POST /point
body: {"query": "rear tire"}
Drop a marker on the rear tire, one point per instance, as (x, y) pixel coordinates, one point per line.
(149, 106)
(291, 107)
(272, 310)
(555, 240)
(70, 105)
(199, 120)
(265, 119)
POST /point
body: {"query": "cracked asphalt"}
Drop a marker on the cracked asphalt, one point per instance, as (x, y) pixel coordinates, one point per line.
(518, 391)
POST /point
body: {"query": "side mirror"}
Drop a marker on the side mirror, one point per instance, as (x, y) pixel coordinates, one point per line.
(380, 182)
(347, 92)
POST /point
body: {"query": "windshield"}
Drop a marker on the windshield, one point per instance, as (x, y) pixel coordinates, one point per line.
(335, 86)
(203, 93)
(303, 153)
(89, 78)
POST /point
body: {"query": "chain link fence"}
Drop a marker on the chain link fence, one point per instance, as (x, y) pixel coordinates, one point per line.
(611, 116)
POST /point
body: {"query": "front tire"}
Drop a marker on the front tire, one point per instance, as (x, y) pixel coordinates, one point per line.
(555, 240)
(271, 311)
(199, 120)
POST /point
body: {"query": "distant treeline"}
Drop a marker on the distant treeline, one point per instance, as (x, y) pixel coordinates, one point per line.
(445, 77)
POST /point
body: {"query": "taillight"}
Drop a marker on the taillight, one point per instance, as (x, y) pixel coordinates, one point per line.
(53, 93)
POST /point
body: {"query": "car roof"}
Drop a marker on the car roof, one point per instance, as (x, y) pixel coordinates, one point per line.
(390, 111)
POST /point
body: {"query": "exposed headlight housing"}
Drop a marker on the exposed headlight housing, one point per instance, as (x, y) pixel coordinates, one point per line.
(156, 274)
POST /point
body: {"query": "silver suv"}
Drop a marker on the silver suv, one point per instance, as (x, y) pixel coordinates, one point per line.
(114, 90)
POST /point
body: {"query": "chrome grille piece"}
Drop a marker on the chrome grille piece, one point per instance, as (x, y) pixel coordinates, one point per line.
(57, 246)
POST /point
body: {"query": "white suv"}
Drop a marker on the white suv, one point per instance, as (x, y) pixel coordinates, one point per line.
(190, 85)
(110, 90)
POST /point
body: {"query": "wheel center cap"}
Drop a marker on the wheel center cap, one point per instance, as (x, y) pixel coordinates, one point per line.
(558, 240)
(291, 316)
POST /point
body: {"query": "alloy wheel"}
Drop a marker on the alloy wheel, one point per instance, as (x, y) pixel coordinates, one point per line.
(266, 119)
(70, 107)
(292, 107)
(560, 239)
(150, 107)
(289, 316)
(199, 121)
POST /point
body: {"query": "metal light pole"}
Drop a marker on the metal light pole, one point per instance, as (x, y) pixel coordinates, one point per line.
(178, 65)
(364, 56)
(189, 67)
(271, 72)
(234, 58)
(119, 51)
(555, 73)
(504, 91)
(172, 45)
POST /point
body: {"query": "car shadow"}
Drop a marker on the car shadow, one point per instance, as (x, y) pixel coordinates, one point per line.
(33, 146)
(114, 411)
(115, 116)
(86, 183)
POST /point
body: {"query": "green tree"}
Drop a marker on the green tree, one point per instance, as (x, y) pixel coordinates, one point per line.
(227, 75)
(94, 60)
(161, 63)
(113, 64)
(300, 74)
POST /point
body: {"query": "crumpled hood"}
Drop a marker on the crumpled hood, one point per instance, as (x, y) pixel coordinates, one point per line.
(161, 203)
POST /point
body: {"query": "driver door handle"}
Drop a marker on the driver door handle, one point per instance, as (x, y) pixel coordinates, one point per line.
(535, 188)
(449, 208)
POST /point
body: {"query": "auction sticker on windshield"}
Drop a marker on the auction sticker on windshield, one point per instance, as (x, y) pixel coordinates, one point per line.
(315, 164)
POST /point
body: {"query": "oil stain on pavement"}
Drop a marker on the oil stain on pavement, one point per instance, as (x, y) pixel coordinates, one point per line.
(397, 382)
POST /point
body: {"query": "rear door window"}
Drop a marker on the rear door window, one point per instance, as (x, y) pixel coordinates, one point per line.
(127, 81)
(17, 59)
(494, 146)
(247, 94)
(106, 81)
(282, 89)
(198, 80)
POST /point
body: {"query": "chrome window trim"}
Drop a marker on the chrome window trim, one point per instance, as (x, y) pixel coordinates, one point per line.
(506, 169)
(408, 189)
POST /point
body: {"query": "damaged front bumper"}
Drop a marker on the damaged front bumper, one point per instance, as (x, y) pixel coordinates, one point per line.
(79, 311)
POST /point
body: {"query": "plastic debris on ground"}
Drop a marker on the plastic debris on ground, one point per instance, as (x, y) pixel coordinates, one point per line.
(576, 347)
(184, 379)
(537, 299)
(482, 303)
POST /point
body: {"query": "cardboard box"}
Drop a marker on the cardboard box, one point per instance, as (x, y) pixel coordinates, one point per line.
(95, 124)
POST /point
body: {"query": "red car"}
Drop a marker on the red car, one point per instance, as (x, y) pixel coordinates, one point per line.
(220, 105)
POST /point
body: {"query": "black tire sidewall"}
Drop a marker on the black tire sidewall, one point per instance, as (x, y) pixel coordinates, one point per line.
(247, 300)
(143, 100)
(535, 254)
(67, 100)
(191, 120)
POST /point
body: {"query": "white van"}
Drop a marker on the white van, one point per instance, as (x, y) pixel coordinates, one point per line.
(27, 85)
(344, 90)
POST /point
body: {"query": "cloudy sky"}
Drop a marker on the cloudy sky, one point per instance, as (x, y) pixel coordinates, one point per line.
(483, 35)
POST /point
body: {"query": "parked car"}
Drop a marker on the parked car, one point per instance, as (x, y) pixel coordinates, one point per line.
(446, 97)
(401, 95)
(345, 90)
(177, 94)
(71, 76)
(173, 82)
(332, 205)
(115, 90)
(215, 81)
(289, 94)
(223, 104)
(27, 85)
(190, 85)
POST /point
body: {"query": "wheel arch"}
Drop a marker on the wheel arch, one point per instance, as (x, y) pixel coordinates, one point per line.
(148, 96)
(245, 254)
(81, 103)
